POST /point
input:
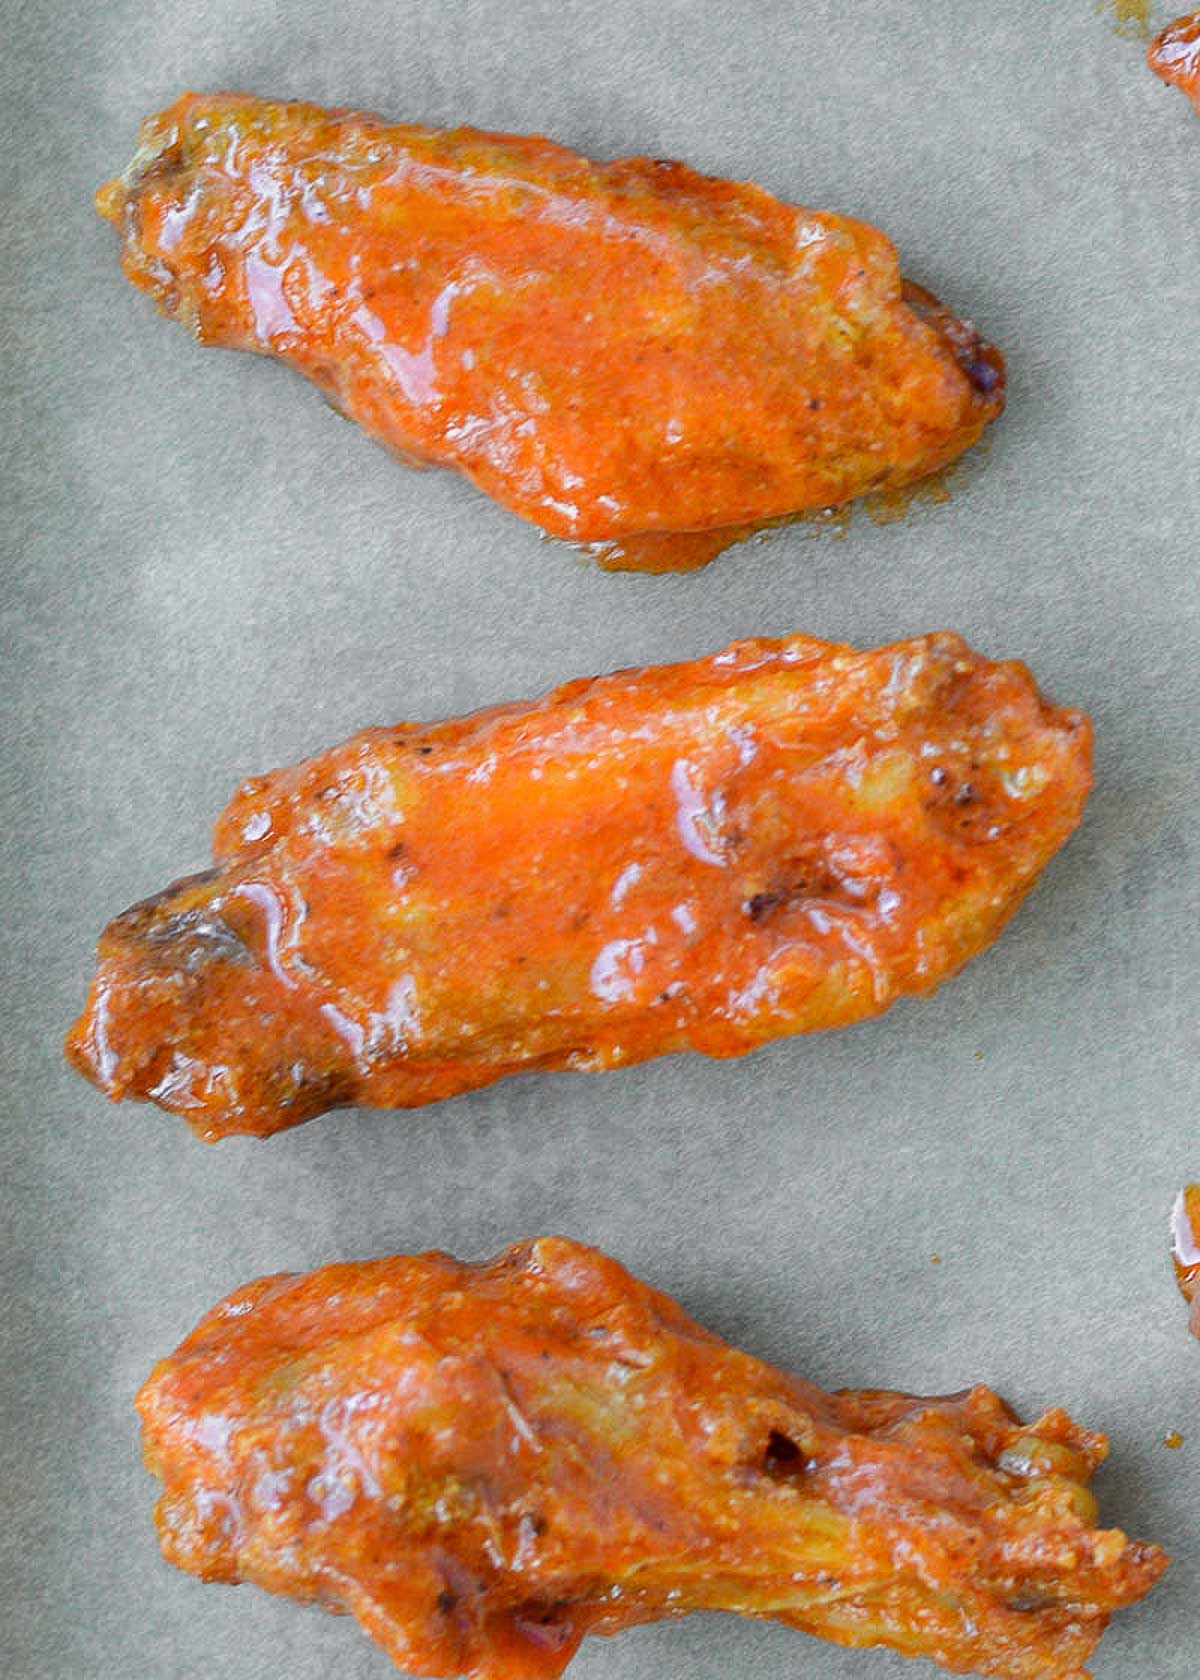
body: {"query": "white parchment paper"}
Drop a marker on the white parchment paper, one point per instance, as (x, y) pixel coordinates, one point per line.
(208, 574)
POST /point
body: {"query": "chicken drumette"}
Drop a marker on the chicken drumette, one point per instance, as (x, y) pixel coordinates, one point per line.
(485, 1463)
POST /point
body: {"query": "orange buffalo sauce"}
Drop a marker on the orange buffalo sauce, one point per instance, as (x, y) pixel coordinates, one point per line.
(629, 354)
(485, 1463)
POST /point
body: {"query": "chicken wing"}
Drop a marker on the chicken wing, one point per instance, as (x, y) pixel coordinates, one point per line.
(628, 354)
(785, 836)
(1175, 56)
(1185, 1248)
(485, 1463)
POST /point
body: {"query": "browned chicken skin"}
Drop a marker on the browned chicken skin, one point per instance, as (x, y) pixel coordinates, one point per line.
(485, 1463)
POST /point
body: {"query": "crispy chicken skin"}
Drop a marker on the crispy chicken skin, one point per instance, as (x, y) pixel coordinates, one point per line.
(784, 836)
(619, 352)
(1175, 56)
(484, 1463)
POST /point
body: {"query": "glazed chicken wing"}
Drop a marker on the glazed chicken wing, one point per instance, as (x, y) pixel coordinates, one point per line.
(1185, 1248)
(1175, 56)
(485, 1463)
(628, 354)
(785, 836)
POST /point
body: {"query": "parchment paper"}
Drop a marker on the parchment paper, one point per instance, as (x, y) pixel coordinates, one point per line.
(208, 574)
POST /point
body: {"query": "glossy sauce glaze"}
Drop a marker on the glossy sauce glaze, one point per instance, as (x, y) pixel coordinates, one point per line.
(1175, 56)
(785, 836)
(1185, 1248)
(628, 354)
(485, 1463)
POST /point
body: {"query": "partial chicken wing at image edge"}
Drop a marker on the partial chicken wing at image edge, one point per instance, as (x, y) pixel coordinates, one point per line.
(1175, 56)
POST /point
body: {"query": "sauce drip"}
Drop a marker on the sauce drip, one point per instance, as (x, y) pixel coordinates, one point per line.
(667, 551)
(1132, 18)
(687, 551)
(889, 507)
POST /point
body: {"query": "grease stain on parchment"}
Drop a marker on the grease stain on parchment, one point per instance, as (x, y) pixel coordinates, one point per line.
(1131, 17)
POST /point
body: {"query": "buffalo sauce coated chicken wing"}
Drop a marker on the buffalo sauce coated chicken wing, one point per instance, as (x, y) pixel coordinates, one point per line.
(785, 836)
(628, 354)
(1175, 56)
(1185, 1248)
(485, 1463)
